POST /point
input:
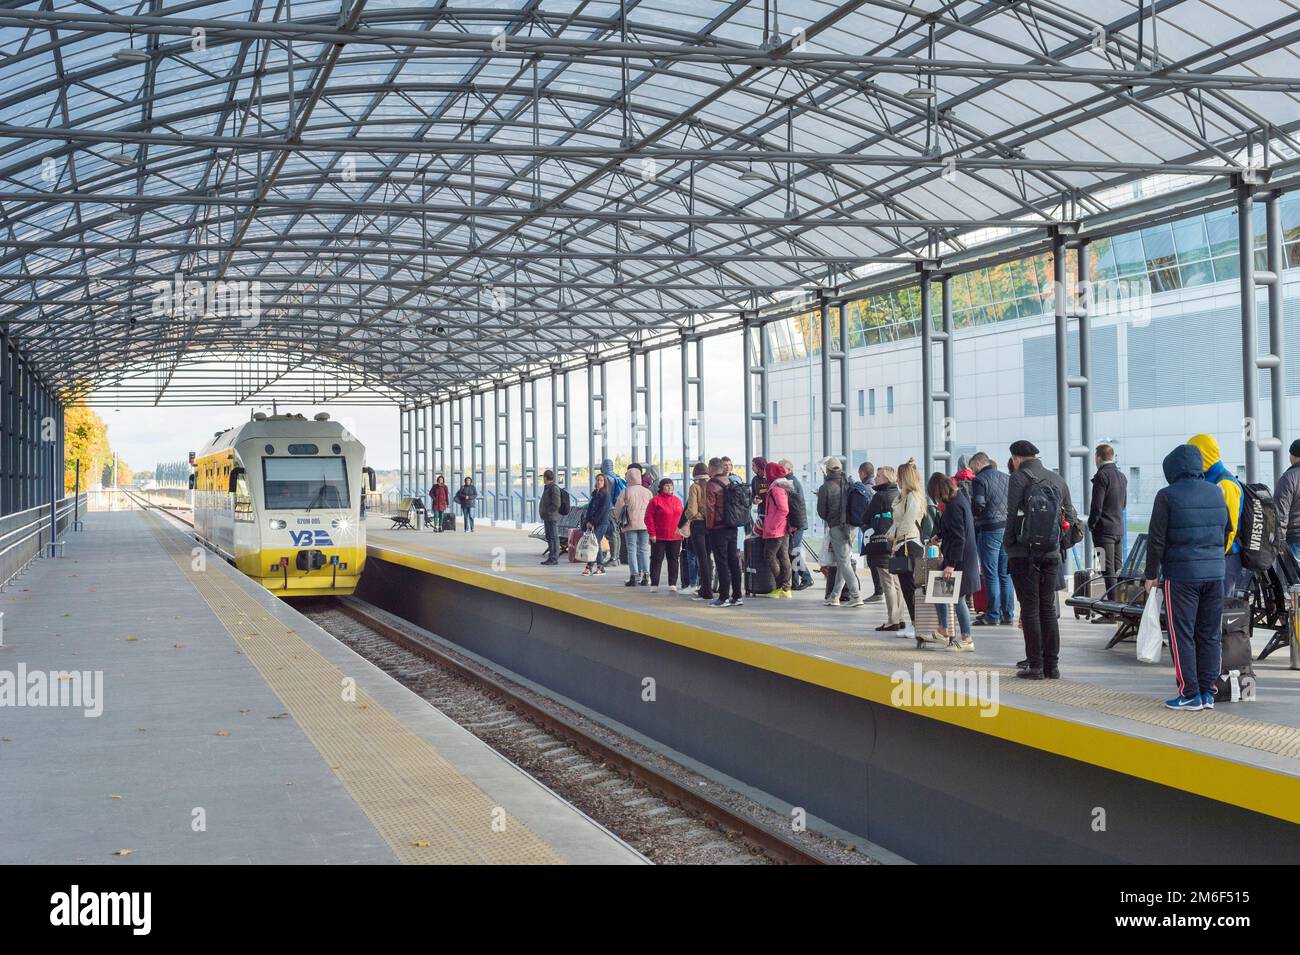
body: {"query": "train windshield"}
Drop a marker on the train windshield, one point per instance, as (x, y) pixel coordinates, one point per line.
(305, 483)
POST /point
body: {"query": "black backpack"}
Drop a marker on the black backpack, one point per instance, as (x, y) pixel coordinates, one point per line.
(859, 503)
(1040, 518)
(1257, 528)
(797, 516)
(737, 500)
(564, 501)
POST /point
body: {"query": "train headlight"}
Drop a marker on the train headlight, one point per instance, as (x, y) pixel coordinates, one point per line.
(341, 524)
(277, 524)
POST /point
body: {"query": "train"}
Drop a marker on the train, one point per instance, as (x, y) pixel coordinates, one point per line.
(283, 499)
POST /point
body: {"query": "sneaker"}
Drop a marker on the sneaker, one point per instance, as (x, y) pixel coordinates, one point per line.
(935, 637)
(699, 596)
(961, 646)
(736, 602)
(654, 590)
(549, 562)
(672, 588)
(874, 599)
(858, 602)
(718, 603)
(600, 570)
(776, 594)
(831, 601)
(908, 632)
(586, 571)
(1207, 700)
(645, 580)
(1192, 703)
(630, 582)
(787, 593)
(983, 620)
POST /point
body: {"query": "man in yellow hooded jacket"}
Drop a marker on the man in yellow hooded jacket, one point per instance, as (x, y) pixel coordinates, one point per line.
(1217, 473)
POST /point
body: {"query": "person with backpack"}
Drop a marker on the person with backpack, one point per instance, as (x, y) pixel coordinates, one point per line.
(721, 504)
(630, 509)
(662, 516)
(466, 497)
(548, 508)
(1186, 544)
(833, 509)
(1041, 526)
(988, 500)
(1216, 472)
(797, 521)
(599, 513)
(616, 485)
(694, 516)
(438, 501)
(774, 530)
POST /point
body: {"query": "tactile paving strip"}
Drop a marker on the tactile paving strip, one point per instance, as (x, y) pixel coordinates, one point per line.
(423, 807)
(772, 624)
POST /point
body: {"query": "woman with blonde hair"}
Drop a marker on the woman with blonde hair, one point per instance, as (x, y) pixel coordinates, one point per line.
(905, 541)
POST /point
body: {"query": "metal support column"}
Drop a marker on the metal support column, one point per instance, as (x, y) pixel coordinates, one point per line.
(1251, 360)
(439, 431)
(824, 334)
(528, 444)
(1083, 382)
(1060, 308)
(403, 451)
(692, 407)
(639, 380)
(478, 450)
(503, 508)
(757, 390)
(846, 420)
(561, 459)
(1275, 361)
(420, 451)
(597, 419)
(456, 414)
(945, 395)
(927, 380)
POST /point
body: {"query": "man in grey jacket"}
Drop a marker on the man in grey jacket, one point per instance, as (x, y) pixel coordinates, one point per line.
(1286, 498)
(833, 508)
(548, 508)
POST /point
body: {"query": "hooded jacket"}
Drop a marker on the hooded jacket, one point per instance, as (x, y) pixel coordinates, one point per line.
(438, 495)
(1217, 473)
(833, 499)
(776, 513)
(616, 483)
(695, 499)
(1189, 522)
(662, 516)
(988, 499)
(633, 501)
(1109, 498)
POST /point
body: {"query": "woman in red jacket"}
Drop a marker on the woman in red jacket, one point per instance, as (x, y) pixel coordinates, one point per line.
(662, 515)
(775, 528)
(438, 498)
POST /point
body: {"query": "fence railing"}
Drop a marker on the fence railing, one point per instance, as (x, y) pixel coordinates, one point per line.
(25, 534)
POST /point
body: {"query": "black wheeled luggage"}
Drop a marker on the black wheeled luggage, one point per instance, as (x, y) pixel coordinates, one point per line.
(758, 576)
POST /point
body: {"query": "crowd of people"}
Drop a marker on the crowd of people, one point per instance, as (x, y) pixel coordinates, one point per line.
(1005, 533)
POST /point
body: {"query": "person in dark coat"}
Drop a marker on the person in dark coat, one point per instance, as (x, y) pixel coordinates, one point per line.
(1186, 540)
(1106, 512)
(599, 514)
(958, 552)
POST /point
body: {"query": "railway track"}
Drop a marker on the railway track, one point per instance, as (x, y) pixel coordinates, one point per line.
(668, 812)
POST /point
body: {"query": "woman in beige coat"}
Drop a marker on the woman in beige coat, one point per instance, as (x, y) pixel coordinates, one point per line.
(905, 535)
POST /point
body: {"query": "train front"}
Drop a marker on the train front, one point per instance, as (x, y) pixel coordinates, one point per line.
(304, 507)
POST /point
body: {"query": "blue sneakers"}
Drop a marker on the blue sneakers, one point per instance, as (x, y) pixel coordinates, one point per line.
(1207, 700)
(1184, 703)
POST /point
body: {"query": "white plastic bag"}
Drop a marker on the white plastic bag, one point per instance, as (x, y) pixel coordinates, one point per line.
(1149, 638)
(587, 548)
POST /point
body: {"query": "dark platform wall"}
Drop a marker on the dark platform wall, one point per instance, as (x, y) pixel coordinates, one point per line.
(927, 790)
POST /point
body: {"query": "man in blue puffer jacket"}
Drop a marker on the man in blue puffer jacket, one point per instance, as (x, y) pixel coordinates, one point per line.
(1186, 540)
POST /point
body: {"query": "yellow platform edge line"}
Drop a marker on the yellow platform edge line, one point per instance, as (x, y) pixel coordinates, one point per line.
(1224, 780)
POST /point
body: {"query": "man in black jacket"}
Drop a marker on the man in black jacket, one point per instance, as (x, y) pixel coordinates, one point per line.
(1035, 572)
(1106, 512)
(548, 508)
(988, 499)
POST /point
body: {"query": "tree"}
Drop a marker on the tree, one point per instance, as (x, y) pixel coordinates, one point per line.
(85, 439)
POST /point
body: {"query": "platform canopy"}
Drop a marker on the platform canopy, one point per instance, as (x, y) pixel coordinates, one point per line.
(218, 202)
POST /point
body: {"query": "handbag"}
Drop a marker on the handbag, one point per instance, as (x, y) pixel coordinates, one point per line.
(1149, 637)
(587, 548)
(903, 560)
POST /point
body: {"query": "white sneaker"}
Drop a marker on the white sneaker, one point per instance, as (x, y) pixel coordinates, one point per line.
(672, 588)
(831, 601)
(856, 603)
(654, 590)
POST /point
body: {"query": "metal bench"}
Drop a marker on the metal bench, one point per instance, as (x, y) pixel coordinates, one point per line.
(401, 518)
(1121, 604)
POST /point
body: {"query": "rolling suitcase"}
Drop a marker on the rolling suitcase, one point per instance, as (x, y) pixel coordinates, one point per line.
(758, 576)
(448, 521)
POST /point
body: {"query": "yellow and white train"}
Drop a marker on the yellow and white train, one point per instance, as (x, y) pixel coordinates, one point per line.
(282, 498)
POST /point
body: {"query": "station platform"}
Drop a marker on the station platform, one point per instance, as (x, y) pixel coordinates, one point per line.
(1106, 712)
(232, 730)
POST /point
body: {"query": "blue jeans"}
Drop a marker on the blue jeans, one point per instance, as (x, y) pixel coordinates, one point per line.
(998, 589)
(637, 546)
(1294, 549)
(468, 513)
(963, 616)
(1231, 571)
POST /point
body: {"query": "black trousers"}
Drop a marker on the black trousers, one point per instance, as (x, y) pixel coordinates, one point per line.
(552, 539)
(726, 561)
(907, 583)
(1035, 580)
(699, 542)
(1111, 547)
(658, 551)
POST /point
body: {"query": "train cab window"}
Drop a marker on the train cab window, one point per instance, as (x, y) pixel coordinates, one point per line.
(305, 483)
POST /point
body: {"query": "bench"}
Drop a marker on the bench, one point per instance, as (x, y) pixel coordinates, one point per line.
(1121, 604)
(401, 518)
(1270, 601)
